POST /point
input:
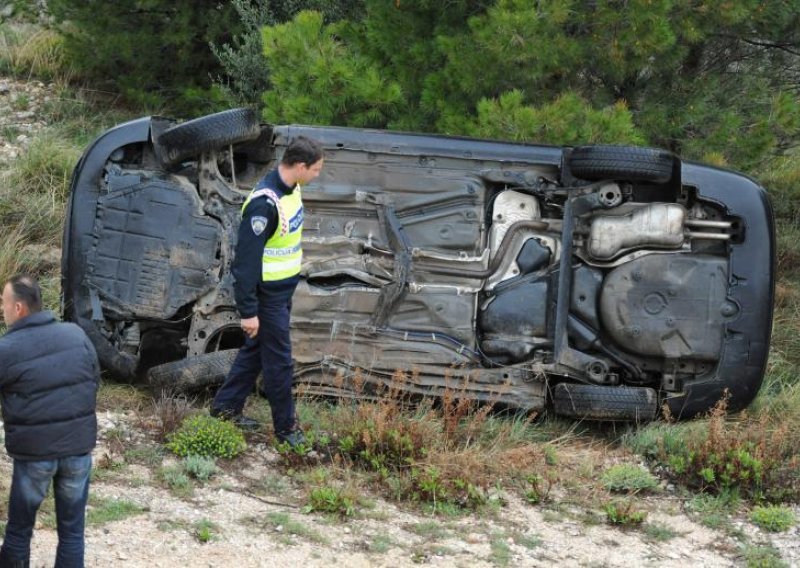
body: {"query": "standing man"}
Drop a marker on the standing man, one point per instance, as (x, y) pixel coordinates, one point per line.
(49, 376)
(266, 269)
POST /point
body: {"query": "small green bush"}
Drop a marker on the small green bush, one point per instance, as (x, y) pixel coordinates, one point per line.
(628, 478)
(206, 436)
(773, 518)
(205, 530)
(762, 557)
(330, 500)
(177, 481)
(621, 512)
(200, 467)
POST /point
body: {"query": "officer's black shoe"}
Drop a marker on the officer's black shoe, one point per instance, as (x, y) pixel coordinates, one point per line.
(296, 439)
(243, 422)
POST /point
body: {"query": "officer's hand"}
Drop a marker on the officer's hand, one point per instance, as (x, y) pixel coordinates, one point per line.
(250, 326)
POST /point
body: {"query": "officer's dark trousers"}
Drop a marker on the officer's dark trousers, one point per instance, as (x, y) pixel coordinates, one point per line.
(271, 352)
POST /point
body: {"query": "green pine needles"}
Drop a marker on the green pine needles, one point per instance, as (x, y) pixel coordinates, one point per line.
(206, 436)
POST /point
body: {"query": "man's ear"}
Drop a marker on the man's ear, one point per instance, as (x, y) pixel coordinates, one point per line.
(19, 309)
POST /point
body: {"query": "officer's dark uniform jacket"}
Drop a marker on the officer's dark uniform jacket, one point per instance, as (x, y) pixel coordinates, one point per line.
(247, 265)
(49, 376)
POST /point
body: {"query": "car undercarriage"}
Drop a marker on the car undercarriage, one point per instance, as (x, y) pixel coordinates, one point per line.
(611, 281)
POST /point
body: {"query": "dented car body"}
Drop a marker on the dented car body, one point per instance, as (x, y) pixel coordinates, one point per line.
(608, 280)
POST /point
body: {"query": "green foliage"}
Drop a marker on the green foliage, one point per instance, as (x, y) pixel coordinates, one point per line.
(714, 511)
(155, 53)
(762, 557)
(781, 175)
(205, 530)
(247, 73)
(538, 487)
(380, 544)
(624, 512)
(757, 458)
(199, 467)
(567, 120)
(657, 532)
(145, 455)
(500, 552)
(333, 500)
(316, 80)
(628, 478)
(20, 102)
(44, 168)
(293, 527)
(33, 191)
(27, 51)
(177, 481)
(560, 71)
(102, 511)
(206, 436)
(446, 457)
(773, 518)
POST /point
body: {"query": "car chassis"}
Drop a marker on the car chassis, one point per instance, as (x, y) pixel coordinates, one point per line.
(611, 280)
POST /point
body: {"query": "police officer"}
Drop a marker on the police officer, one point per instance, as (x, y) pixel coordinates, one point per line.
(266, 269)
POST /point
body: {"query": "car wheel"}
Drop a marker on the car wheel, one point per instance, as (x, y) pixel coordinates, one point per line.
(594, 402)
(621, 163)
(193, 373)
(207, 133)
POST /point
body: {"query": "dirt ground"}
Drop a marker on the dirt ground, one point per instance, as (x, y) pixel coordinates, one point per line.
(256, 519)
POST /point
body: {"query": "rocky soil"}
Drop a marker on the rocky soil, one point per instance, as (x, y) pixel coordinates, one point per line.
(253, 514)
(256, 519)
(20, 117)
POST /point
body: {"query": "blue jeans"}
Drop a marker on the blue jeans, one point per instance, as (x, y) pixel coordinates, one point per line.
(271, 353)
(31, 479)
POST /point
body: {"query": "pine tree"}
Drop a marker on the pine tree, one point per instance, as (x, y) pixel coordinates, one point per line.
(153, 52)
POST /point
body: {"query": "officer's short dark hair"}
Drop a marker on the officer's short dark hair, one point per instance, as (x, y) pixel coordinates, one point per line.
(26, 290)
(302, 150)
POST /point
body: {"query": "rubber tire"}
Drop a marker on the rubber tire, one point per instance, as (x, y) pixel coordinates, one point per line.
(624, 163)
(208, 133)
(192, 373)
(595, 402)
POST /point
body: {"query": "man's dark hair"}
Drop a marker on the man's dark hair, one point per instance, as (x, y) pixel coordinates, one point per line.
(26, 290)
(302, 150)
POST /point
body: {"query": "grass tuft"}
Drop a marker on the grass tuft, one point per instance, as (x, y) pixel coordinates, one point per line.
(102, 511)
(773, 518)
(628, 478)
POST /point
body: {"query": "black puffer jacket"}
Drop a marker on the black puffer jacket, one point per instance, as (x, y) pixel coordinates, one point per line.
(49, 376)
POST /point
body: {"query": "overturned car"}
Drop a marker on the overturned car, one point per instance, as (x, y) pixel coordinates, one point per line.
(612, 281)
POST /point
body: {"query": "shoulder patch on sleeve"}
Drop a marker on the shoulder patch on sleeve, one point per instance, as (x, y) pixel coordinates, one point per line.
(258, 224)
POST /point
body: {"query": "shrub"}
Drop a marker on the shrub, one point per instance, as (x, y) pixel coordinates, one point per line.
(623, 512)
(628, 478)
(42, 55)
(154, 53)
(205, 530)
(447, 453)
(170, 411)
(177, 481)
(773, 518)
(330, 500)
(757, 458)
(204, 435)
(199, 467)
